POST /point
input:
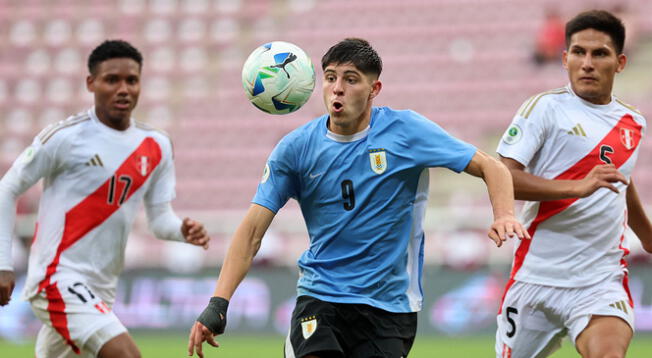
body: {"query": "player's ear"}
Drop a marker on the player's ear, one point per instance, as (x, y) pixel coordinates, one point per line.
(564, 59)
(376, 86)
(622, 61)
(89, 83)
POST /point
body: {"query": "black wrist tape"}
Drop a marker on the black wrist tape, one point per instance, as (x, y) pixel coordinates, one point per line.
(214, 315)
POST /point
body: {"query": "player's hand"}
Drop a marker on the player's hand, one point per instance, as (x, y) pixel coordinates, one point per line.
(210, 323)
(195, 233)
(601, 176)
(506, 227)
(7, 284)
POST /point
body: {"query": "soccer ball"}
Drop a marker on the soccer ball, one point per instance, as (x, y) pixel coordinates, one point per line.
(278, 77)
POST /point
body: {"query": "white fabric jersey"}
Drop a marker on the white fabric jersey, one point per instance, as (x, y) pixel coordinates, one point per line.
(94, 179)
(558, 135)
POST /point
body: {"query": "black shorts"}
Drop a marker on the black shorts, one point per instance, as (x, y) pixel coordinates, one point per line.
(328, 330)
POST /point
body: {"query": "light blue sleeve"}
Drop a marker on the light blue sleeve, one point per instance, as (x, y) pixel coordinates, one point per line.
(432, 146)
(280, 180)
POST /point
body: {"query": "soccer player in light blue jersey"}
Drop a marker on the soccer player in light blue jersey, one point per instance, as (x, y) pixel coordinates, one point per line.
(360, 174)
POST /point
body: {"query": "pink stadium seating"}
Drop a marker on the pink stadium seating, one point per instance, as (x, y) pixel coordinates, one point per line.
(465, 65)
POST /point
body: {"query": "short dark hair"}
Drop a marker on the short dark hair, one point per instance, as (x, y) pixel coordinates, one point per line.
(357, 52)
(110, 49)
(600, 20)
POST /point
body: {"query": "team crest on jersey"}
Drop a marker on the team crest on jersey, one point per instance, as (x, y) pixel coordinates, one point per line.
(143, 165)
(308, 326)
(627, 138)
(378, 160)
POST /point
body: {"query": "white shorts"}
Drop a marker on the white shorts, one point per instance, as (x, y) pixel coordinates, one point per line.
(533, 319)
(76, 322)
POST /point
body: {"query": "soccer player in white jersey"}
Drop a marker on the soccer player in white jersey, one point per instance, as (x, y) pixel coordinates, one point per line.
(360, 174)
(571, 152)
(97, 167)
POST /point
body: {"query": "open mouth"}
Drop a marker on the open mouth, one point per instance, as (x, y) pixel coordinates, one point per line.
(122, 104)
(338, 106)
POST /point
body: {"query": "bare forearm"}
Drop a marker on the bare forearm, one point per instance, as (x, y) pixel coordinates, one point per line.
(534, 188)
(244, 246)
(637, 219)
(499, 185)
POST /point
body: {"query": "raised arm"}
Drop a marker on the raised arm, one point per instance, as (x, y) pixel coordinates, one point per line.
(531, 187)
(244, 245)
(501, 193)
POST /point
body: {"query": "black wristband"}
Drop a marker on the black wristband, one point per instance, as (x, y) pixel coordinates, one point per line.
(214, 315)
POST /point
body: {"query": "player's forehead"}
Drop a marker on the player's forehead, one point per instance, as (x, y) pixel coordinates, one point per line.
(342, 69)
(591, 39)
(118, 66)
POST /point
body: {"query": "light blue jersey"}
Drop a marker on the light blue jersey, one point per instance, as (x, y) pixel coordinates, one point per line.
(363, 198)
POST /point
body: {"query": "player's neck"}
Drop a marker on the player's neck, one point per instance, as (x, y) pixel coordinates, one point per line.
(119, 124)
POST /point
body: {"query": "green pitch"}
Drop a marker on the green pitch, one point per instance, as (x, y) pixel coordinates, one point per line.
(164, 346)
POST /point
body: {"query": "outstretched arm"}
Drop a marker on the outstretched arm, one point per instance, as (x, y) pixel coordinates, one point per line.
(501, 193)
(531, 187)
(7, 218)
(166, 225)
(637, 219)
(244, 245)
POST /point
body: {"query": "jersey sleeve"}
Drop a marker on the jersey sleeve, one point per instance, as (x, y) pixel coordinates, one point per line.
(525, 135)
(279, 181)
(432, 146)
(37, 161)
(162, 188)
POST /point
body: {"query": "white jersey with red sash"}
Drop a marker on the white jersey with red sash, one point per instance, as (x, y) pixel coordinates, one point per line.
(557, 135)
(94, 179)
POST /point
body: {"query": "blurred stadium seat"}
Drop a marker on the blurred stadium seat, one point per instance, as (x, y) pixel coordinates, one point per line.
(465, 65)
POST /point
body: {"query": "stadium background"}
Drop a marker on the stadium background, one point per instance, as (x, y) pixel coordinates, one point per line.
(465, 64)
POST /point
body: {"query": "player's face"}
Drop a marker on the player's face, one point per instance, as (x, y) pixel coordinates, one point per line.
(348, 94)
(116, 86)
(592, 63)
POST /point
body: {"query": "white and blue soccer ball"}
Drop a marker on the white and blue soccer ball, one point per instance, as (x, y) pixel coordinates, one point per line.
(278, 77)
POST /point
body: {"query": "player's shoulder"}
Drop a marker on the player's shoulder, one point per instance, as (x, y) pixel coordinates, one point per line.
(389, 113)
(540, 102)
(61, 129)
(628, 107)
(407, 119)
(306, 131)
(151, 131)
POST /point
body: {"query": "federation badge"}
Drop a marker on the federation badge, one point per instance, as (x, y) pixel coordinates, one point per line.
(513, 134)
(308, 326)
(627, 138)
(143, 165)
(378, 160)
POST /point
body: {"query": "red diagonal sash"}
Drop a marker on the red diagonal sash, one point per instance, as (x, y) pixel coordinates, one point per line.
(621, 151)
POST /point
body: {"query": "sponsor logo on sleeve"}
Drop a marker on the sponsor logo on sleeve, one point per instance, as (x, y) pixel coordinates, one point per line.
(28, 154)
(265, 173)
(513, 134)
